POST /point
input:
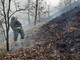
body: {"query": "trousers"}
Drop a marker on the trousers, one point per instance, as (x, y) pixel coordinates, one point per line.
(17, 32)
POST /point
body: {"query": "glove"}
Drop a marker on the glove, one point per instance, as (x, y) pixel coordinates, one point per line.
(18, 27)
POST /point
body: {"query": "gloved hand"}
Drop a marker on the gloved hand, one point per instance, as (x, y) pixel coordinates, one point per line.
(18, 27)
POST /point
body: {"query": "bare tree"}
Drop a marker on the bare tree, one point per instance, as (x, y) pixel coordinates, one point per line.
(6, 18)
(28, 11)
(40, 10)
(6, 13)
(36, 8)
(43, 9)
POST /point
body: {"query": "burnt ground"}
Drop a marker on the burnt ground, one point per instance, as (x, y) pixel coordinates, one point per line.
(63, 31)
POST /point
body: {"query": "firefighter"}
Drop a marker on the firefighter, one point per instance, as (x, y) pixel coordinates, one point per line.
(17, 28)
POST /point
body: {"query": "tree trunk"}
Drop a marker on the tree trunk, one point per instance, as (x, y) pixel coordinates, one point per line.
(7, 39)
(48, 10)
(39, 16)
(28, 12)
(28, 17)
(36, 12)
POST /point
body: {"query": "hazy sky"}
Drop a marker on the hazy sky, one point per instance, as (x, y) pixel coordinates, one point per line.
(53, 3)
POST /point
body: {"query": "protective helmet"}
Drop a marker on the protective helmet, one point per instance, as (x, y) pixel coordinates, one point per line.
(13, 19)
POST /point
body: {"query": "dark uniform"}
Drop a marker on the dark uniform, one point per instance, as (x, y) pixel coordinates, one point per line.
(17, 28)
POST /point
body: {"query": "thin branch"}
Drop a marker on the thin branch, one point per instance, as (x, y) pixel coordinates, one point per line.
(8, 8)
(3, 2)
(1, 14)
(1, 8)
(17, 11)
(4, 31)
(8, 13)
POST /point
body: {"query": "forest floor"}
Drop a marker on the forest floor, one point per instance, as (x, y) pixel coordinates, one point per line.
(59, 39)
